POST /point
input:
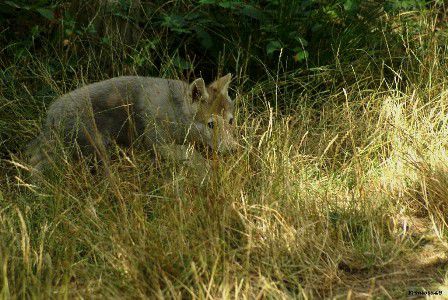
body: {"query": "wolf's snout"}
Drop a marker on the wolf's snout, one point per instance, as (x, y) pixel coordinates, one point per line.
(227, 146)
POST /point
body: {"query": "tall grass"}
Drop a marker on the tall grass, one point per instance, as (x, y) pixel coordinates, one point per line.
(344, 198)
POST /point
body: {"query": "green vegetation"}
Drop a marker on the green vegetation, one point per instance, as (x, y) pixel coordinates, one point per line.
(340, 188)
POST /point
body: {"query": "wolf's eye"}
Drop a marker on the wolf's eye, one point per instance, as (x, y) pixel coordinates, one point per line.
(231, 121)
(210, 124)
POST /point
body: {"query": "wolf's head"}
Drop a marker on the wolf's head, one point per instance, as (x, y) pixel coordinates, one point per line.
(213, 109)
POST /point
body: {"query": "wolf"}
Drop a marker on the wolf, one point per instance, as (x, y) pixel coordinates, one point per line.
(166, 114)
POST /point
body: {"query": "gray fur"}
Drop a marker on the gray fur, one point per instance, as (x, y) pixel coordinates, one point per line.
(123, 109)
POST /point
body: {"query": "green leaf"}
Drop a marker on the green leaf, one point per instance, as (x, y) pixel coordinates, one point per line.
(45, 12)
(35, 31)
(349, 5)
(228, 4)
(253, 12)
(181, 63)
(175, 23)
(10, 3)
(105, 40)
(301, 55)
(302, 42)
(273, 46)
(205, 38)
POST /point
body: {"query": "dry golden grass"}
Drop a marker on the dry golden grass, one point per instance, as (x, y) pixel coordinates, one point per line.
(348, 203)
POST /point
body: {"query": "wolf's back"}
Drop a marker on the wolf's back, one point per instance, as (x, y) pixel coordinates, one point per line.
(106, 107)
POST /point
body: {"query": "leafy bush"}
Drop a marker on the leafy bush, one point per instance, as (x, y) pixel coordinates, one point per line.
(206, 33)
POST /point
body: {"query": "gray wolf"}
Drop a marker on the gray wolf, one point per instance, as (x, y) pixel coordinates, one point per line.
(166, 113)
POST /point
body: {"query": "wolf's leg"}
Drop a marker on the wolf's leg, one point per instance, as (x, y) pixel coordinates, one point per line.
(38, 152)
(185, 155)
(93, 142)
(37, 161)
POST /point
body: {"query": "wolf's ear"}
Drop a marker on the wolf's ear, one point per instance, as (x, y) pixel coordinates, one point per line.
(221, 84)
(198, 90)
